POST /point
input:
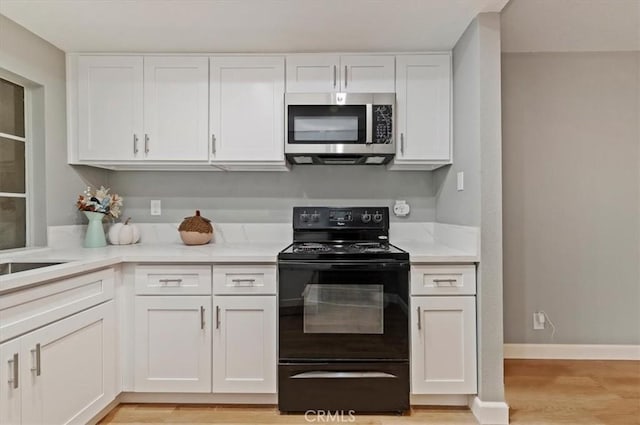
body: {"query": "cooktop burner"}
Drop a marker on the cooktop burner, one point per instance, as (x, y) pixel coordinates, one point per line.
(341, 234)
(343, 248)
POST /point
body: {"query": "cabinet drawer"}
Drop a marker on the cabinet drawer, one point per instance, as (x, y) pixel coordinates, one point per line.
(251, 279)
(31, 308)
(161, 279)
(443, 280)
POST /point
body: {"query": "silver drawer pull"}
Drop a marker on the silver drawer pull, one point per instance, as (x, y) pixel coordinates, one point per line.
(333, 375)
(168, 281)
(243, 282)
(441, 282)
(16, 371)
(37, 369)
(201, 317)
(419, 318)
(217, 317)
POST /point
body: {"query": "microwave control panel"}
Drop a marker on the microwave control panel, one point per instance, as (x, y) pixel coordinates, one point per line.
(382, 124)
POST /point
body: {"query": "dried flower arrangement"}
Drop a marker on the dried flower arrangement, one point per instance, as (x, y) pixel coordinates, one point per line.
(101, 202)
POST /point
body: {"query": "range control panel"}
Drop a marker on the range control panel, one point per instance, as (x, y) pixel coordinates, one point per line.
(348, 217)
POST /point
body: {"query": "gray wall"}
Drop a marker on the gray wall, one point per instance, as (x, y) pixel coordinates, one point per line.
(269, 196)
(41, 66)
(477, 152)
(572, 196)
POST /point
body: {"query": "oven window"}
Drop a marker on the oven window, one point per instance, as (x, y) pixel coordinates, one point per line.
(328, 129)
(343, 309)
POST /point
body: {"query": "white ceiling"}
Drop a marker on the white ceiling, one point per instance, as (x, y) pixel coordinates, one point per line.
(247, 25)
(571, 25)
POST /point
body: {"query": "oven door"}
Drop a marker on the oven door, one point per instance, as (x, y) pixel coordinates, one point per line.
(342, 311)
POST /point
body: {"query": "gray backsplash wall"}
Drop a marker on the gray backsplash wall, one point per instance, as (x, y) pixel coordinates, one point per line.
(269, 196)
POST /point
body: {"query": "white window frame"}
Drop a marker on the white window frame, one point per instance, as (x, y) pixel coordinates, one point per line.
(28, 162)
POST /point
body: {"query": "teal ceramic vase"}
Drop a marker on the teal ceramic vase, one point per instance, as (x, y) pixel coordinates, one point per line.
(95, 232)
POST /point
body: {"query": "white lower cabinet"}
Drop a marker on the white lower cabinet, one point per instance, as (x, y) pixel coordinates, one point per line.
(443, 345)
(244, 344)
(10, 385)
(173, 344)
(62, 373)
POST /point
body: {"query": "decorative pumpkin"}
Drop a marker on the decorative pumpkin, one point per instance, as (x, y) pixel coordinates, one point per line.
(196, 230)
(124, 233)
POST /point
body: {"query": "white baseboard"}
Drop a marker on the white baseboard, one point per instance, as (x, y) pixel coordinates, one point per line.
(440, 400)
(572, 351)
(490, 412)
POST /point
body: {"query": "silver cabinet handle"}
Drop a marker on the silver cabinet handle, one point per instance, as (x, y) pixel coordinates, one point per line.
(449, 281)
(217, 317)
(135, 144)
(213, 144)
(201, 317)
(13, 380)
(346, 80)
(167, 281)
(402, 143)
(419, 319)
(146, 143)
(335, 73)
(239, 282)
(37, 369)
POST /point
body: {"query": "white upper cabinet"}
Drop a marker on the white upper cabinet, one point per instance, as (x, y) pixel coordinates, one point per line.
(247, 109)
(367, 74)
(313, 73)
(110, 122)
(423, 110)
(176, 108)
(330, 73)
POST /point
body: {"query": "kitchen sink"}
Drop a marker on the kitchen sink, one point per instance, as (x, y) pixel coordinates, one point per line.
(16, 267)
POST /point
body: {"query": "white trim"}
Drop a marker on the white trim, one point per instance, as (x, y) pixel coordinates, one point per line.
(440, 399)
(198, 398)
(11, 136)
(12, 195)
(572, 351)
(490, 412)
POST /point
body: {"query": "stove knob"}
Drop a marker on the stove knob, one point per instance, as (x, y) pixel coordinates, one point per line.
(304, 217)
(377, 217)
(366, 217)
(315, 217)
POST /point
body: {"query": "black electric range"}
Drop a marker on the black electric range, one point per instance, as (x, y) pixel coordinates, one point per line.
(343, 313)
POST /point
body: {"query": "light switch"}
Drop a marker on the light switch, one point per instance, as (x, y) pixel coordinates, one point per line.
(156, 207)
(460, 181)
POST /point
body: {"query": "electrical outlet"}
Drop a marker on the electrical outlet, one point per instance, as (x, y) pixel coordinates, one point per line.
(460, 181)
(156, 207)
(538, 320)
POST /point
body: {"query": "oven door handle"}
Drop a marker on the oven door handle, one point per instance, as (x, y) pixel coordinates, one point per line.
(333, 375)
(343, 266)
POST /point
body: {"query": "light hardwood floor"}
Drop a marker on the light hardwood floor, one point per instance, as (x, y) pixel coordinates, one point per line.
(538, 391)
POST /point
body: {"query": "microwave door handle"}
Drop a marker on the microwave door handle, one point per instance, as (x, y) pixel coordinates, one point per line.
(369, 120)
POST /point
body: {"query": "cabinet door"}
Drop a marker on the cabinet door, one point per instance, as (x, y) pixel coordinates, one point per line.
(443, 345)
(313, 73)
(367, 74)
(244, 344)
(247, 108)
(176, 108)
(10, 382)
(110, 108)
(69, 368)
(173, 344)
(423, 99)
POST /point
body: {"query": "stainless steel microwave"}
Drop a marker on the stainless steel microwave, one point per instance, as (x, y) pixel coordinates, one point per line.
(339, 128)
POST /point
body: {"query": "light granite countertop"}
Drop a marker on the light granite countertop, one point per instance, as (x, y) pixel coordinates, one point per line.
(425, 243)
